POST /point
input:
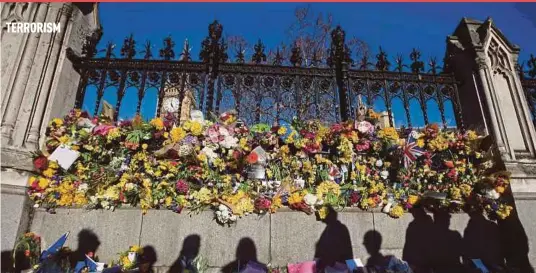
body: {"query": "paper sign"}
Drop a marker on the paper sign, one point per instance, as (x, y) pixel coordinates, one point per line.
(263, 156)
(480, 265)
(64, 156)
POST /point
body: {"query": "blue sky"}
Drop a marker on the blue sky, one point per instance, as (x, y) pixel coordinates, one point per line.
(397, 27)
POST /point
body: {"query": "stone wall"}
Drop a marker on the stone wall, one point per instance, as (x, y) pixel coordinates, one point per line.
(283, 237)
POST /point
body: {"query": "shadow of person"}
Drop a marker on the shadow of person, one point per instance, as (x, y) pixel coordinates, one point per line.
(335, 244)
(515, 243)
(447, 245)
(246, 252)
(147, 260)
(481, 240)
(88, 243)
(373, 242)
(417, 247)
(189, 251)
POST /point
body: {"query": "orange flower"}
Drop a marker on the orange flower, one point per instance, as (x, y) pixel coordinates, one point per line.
(252, 158)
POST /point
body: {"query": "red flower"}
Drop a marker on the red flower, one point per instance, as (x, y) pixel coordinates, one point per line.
(90, 254)
(182, 187)
(40, 163)
(252, 158)
(262, 203)
(27, 253)
(354, 197)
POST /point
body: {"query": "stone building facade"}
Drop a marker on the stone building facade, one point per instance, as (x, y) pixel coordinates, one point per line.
(39, 83)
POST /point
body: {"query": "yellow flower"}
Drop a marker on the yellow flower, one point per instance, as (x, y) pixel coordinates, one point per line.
(499, 189)
(144, 146)
(438, 144)
(136, 248)
(114, 133)
(412, 199)
(57, 122)
(420, 142)
(157, 123)
(327, 187)
(296, 197)
(43, 182)
(284, 149)
(204, 195)
(63, 139)
(323, 213)
(466, 190)
(281, 131)
(276, 204)
(243, 143)
(471, 135)
(53, 165)
(397, 211)
(455, 193)
(388, 133)
(504, 211)
(196, 128)
(49, 172)
(177, 134)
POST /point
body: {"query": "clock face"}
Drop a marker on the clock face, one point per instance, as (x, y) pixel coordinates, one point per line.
(171, 104)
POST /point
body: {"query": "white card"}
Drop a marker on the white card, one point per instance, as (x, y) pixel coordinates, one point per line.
(197, 115)
(480, 265)
(64, 156)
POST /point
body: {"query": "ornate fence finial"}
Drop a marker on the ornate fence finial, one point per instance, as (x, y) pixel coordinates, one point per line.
(296, 58)
(241, 54)
(148, 54)
(128, 50)
(364, 64)
(215, 30)
(110, 50)
(417, 66)
(185, 54)
(400, 63)
(258, 56)
(167, 51)
(222, 52)
(433, 65)
(278, 58)
(532, 66)
(89, 49)
(382, 63)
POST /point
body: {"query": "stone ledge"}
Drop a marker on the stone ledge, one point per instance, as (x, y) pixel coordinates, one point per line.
(14, 177)
(16, 158)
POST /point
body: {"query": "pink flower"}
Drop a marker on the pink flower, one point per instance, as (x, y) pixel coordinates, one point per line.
(362, 145)
(102, 130)
(182, 187)
(365, 127)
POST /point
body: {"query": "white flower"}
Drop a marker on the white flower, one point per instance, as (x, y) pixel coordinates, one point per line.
(379, 163)
(492, 194)
(233, 218)
(310, 199)
(223, 208)
(299, 182)
(387, 208)
(229, 142)
(276, 183)
(384, 174)
(365, 127)
(83, 187)
(130, 186)
(415, 135)
(209, 152)
(36, 205)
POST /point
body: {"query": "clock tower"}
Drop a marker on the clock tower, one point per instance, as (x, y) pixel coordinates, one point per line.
(171, 103)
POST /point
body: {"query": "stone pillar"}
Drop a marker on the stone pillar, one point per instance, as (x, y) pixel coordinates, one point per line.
(38, 83)
(484, 62)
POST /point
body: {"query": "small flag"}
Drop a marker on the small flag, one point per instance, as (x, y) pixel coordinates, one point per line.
(411, 150)
(89, 263)
(55, 247)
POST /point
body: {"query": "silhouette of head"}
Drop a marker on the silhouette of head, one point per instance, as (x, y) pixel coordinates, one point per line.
(246, 250)
(147, 259)
(88, 241)
(442, 219)
(372, 242)
(331, 217)
(191, 245)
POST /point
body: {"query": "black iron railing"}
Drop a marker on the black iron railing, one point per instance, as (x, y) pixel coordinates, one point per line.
(269, 88)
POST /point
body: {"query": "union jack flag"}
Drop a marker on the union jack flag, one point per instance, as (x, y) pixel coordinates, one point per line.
(411, 150)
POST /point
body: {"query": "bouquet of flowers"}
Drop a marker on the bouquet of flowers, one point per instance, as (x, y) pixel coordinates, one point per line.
(128, 260)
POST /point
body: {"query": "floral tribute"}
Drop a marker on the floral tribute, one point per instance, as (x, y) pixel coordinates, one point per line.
(238, 170)
(30, 245)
